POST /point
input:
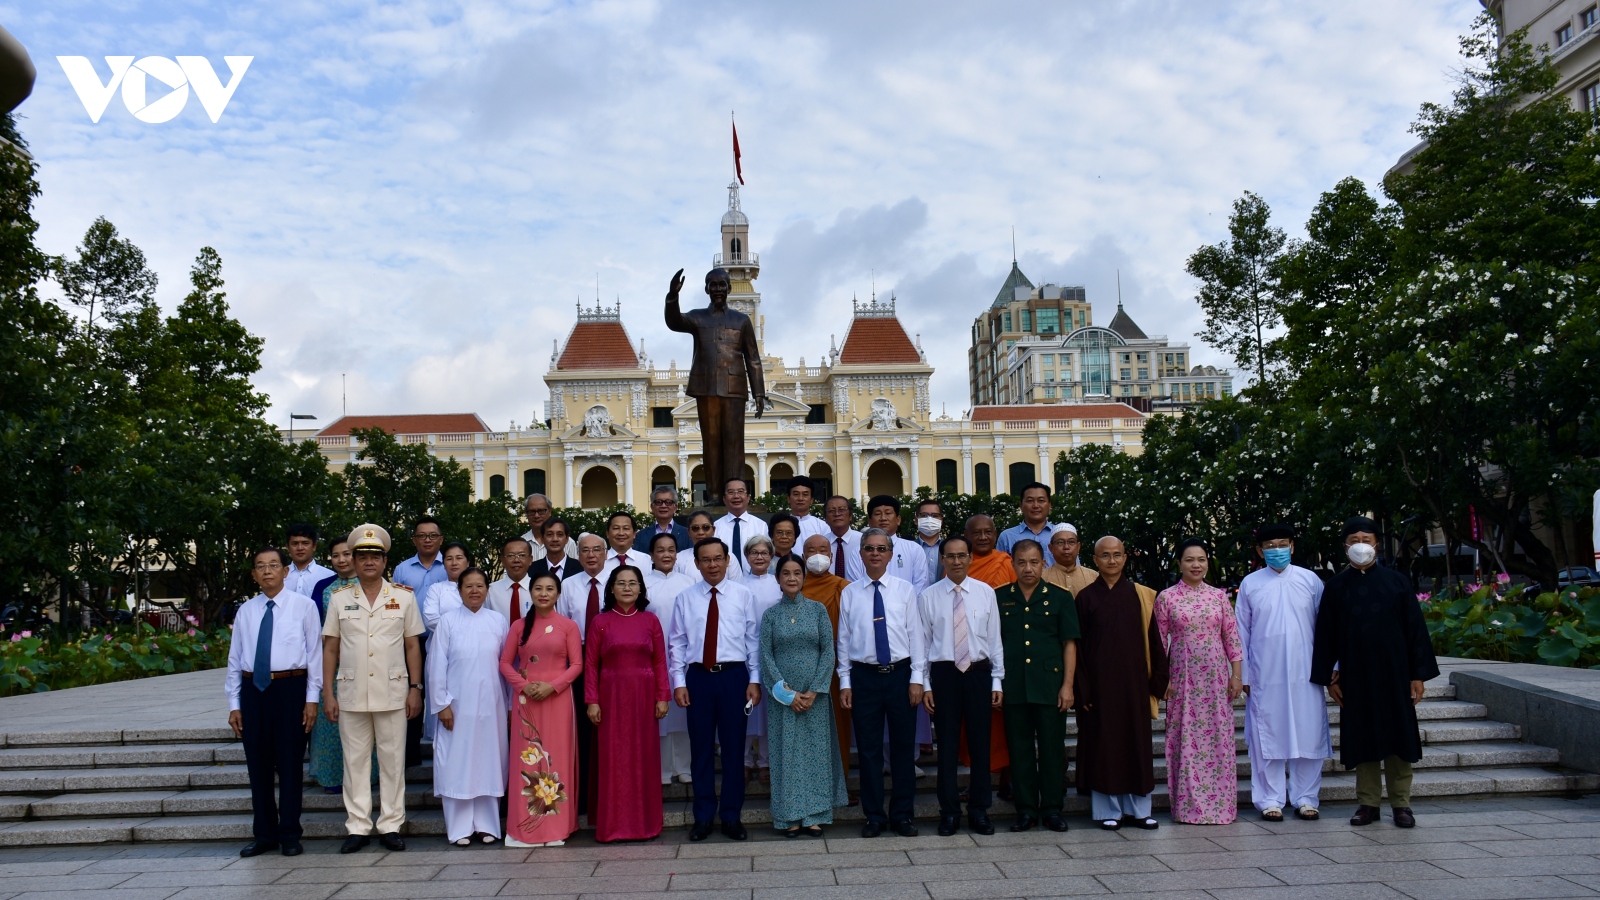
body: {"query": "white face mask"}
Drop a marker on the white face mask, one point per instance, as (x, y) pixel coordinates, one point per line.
(1361, 554)
(928, 526)
(816, 564)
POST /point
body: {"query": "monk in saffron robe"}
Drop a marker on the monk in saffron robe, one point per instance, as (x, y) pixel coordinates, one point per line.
(1122, 670)
(825, 587)
(992, 567)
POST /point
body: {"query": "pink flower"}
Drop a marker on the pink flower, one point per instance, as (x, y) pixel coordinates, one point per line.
(1423, 598)
(15, 638)
(27, 634)
(1503, 578)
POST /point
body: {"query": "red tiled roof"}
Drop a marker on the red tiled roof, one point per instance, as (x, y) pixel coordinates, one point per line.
(443, 423)
(874, 341)
(1035, 411)
(598, 345)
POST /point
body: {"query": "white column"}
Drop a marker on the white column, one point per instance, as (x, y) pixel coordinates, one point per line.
(966, 470)
(683, 467)
(1045, 474)
(855, 472)
(761, 472)
(477, 479)
(627, 479)
(998, 482)
(571, 498)
(512, 484)
(916, 479)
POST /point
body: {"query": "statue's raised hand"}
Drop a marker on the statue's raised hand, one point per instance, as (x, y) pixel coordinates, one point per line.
(677, 284)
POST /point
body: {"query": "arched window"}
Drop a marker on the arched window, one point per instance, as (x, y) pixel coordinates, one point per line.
(532, 481)
(737, 247)
(1020, 473)
(497, 485)
(945, 476)
(980, 474)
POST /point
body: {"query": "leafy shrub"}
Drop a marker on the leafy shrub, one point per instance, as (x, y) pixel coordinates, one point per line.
(32, 663)
(1557, 628)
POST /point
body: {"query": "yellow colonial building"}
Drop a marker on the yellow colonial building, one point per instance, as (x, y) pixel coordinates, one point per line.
(860, 422)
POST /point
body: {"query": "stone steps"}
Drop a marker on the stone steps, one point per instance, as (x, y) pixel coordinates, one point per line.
(189, 784)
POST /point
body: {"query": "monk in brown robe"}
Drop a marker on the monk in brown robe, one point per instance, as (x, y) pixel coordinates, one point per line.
(825, 587)
(1122, 669)
(1066, 573)
(992, 567)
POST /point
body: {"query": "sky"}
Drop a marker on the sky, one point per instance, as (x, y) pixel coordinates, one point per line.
(410, 197)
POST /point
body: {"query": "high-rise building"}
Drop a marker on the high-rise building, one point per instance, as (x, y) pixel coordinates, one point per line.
(1040, 345)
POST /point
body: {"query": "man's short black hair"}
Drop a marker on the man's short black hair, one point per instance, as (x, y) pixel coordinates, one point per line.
(932, 500)
(955, 537)
(621, 514)
(555, 520)
(707, 542)
(283, 558)
(519, 539)
(883, 500)
(1034, 486)
(836, 497)
(748, 487)
(1027, 543)
(801, 481)
(301, 529)
(425, 520)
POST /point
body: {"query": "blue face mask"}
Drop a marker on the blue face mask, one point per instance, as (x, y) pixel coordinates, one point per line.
(1277, 557)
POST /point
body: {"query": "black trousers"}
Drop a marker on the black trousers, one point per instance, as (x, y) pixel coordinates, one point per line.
(588, 759)
(275, 750)
(414, 726)
(879, 697)
(716, 717)
(961, 701)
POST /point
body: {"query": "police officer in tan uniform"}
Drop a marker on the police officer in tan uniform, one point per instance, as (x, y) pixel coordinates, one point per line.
(372, 683)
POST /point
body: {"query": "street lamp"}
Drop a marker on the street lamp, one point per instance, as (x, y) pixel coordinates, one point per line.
(292, 417)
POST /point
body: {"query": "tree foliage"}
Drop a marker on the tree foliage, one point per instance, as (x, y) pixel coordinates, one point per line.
(1239, 286)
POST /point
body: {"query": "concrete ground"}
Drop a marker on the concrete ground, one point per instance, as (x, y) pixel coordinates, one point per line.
(1460, 850)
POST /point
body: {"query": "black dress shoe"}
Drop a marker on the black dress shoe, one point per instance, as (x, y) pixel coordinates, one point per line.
(392, 841)
(700, 831)
(1403, 817)
(1365, 815)
(905, 828)
(872, 829)
(1055, 822)
(256, 848)
(949, 825)
(980, 824)
(1024, 822)
(292, 848)
(354, 842)
(735, 830)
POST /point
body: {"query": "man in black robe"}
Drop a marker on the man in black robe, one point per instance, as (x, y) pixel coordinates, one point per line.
(1122, 669)
(1373, 653)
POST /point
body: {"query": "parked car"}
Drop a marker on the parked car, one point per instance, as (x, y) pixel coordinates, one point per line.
(1577, 576)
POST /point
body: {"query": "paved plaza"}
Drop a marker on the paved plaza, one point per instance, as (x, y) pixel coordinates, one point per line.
(1461, 850)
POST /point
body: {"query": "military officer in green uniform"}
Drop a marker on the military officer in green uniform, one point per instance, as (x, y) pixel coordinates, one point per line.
(1039, 632)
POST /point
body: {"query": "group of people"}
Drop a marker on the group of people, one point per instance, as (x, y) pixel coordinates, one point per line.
(596, 664)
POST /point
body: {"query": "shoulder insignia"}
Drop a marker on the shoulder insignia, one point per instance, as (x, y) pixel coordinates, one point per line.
(403, 587)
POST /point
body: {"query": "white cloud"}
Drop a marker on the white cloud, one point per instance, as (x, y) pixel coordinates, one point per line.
(416, 193)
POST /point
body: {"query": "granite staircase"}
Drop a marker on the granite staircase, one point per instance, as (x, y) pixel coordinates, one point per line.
(190, 784)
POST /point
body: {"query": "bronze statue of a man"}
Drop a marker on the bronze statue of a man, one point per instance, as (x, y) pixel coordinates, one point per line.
(726, 370)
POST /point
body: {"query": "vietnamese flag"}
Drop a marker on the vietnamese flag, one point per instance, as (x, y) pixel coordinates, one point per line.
(736, 169)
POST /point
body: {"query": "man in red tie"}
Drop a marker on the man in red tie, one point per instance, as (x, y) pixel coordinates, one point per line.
(844, 542)
(714, 661)
(620, 532)
(582, 595)
(508, 596)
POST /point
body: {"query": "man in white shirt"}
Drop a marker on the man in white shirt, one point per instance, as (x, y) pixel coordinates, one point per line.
(960, 627)
(844, 542)
(582, 597)
(537, 508)
(881, 667)
(1285, 715)
(738, 526)
(908, 562)
(556, 560)
(274, 680)
(800, 494)
(714, 660)
(508, 596)
(304, 572)
(620, 531)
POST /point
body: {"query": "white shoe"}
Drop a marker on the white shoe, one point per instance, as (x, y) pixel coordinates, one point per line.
(917, 770)
(666, 780)
(685, 778)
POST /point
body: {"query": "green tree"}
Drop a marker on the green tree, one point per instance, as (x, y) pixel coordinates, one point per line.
(1239, 291)
(110, 273)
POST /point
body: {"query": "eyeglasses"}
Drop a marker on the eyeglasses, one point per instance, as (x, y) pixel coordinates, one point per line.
(426, 536)
(514, 557)
(867, 549)
(663, 501)
(957, 556)
(538, 512)
(267, 567)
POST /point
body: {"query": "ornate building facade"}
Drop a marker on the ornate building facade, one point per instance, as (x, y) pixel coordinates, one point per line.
(860, 421)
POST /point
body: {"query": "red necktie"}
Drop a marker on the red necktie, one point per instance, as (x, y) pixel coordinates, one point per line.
(838, 557)
(594, 604)
(708, 656)
(516, 601)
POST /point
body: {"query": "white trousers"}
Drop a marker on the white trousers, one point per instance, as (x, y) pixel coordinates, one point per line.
(1115, 806)
(359, 733)
(1268, 788)
(464, 818)
(674, 755)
